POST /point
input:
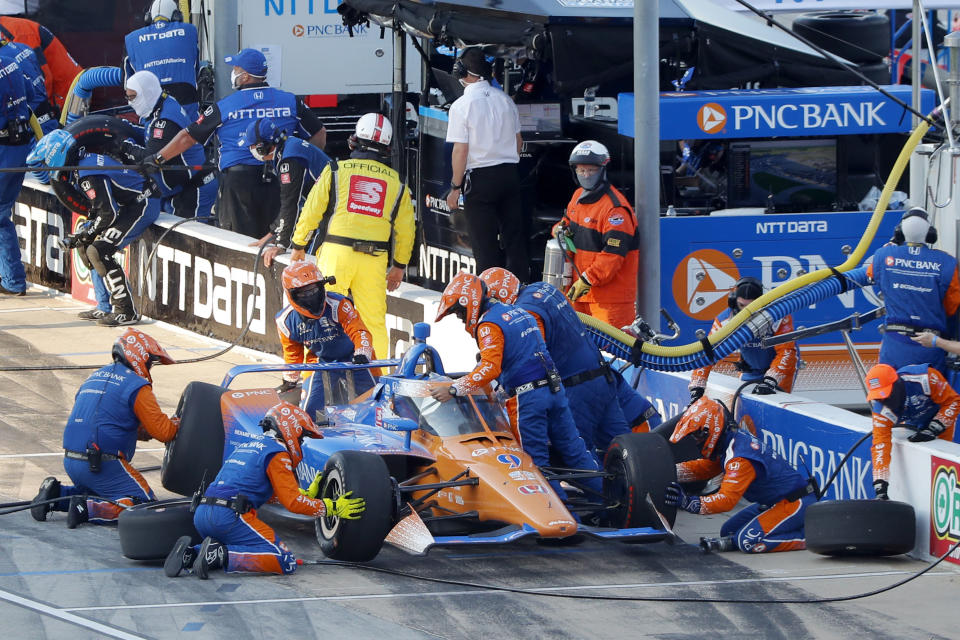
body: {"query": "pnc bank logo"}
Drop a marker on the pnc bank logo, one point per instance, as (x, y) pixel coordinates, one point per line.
(702, 281)
(298, 30)
(711, 118)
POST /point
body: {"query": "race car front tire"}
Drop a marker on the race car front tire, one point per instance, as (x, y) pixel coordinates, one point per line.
(366, 476)
(640, 463)
(860, 527)
(195, 455)
(148, 531)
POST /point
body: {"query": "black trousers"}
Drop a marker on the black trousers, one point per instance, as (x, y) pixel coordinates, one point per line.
(246, 204)
(495, 221)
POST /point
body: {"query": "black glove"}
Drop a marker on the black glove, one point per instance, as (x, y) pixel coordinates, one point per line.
(929, 432)
(764, 389)
(285, 386)
(676, 496)
(880, 488)
(359, 358)
(150, 165)
(696, 393)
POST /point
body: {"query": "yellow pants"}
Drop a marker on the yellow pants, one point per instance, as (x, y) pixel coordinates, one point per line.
(364, 278)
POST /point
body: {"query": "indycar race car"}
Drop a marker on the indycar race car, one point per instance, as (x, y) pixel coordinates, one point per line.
(432, 473)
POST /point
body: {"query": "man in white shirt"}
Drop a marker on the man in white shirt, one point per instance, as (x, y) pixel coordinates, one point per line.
(484, 127)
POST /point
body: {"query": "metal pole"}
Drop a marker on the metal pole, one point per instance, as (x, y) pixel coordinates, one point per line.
(915, 76)
(398, 102)
(646, 156)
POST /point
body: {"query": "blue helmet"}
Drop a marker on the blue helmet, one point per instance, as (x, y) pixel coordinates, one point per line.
(52, 149)
(261, 133)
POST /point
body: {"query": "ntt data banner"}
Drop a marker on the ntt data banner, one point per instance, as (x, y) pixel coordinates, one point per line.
(764, 113)
(825, 5)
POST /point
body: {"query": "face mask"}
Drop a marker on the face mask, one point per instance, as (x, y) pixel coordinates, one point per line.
(148, 92)
(310, 298)
(256, 154)
(590, 182)
(234, 76)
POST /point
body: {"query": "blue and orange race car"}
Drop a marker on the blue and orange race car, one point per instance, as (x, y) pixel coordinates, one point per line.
(432, 473)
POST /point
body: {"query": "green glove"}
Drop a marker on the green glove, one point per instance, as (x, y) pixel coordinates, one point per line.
(314, 488)
(345, 507)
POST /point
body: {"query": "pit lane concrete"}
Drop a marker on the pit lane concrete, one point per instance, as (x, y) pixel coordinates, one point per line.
(57, 583)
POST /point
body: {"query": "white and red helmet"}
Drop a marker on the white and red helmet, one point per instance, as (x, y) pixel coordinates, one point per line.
(374, 131)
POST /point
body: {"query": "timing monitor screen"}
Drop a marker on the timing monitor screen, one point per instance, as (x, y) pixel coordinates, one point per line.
(799, 175)
(540, 118)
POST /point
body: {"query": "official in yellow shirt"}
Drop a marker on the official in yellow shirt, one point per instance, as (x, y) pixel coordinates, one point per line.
(372, 217)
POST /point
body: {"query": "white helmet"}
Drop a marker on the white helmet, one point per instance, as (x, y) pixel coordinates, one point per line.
(374, 131)
(164, 10)
(590, 152)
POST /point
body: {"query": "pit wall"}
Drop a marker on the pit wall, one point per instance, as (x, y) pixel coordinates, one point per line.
(200, 278)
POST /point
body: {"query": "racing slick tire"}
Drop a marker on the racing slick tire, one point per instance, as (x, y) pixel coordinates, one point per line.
(148, 531)
(366, 475)
(195, 455)
(641, 463)
(860, 527)
(858, 37)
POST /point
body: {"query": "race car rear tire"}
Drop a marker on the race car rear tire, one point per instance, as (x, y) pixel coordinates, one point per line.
(148, 531)
(641, 463)
(860, 527)
(196, 454)
(366, 475)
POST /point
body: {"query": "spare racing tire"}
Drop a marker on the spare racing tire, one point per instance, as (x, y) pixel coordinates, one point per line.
(195, 455)
(860, 527)
(148, 531)
(640, 463)
(859, 37)
(366, 475)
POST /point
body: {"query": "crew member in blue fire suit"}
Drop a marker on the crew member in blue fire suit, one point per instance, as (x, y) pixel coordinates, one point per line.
(187, 193)
(119, 207)
(920, 291)
(751, 470)
(114, 408)
(512, 350)
(40, 105)
(587, 379)
(167, 47)
(16, 139)
(298, 165)
(249, 196)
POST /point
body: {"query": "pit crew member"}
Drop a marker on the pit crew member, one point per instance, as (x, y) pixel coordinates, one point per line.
(916, 396)
(756, 362)
(512, 350)
(920, 291)
(751, 470)
(319, 326)
(257, 470)
(371, 224)
(113, 409)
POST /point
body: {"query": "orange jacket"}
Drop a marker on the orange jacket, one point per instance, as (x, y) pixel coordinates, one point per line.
(287, 490)
(59, 68)
(491, 342)
(153, 421)
(604, 232)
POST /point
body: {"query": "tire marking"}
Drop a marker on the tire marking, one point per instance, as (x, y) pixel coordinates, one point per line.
(62, 614)
(422, 594)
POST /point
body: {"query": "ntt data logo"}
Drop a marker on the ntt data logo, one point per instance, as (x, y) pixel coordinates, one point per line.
(702, 281)
(711, 118)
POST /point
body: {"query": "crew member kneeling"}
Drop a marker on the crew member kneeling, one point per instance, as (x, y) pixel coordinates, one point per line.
(114, 408)
(751, 470)
(236, 539)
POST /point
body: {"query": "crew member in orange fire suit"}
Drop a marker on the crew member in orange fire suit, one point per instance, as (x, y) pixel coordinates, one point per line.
(258, 469)
(751, 470)
(59, 68)
(756, 362)
(603, 229)
(916, 396)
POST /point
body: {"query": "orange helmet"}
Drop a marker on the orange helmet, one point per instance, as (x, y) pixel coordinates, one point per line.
(138, 351)
(501, 284)
(291, 424)
(463, 297)
(705, 420)
(303, 283)
(880, 381)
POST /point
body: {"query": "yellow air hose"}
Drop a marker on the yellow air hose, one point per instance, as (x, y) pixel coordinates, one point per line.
(70, 99)
(791, 285)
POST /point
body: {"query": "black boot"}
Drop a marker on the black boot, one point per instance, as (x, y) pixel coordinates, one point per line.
(212, 555)
(180, 557)
(77, 512)
(49, 489)
(718, 545)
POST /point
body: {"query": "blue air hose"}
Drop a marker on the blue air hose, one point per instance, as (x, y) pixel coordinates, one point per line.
(758, 323)
(91, 79)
